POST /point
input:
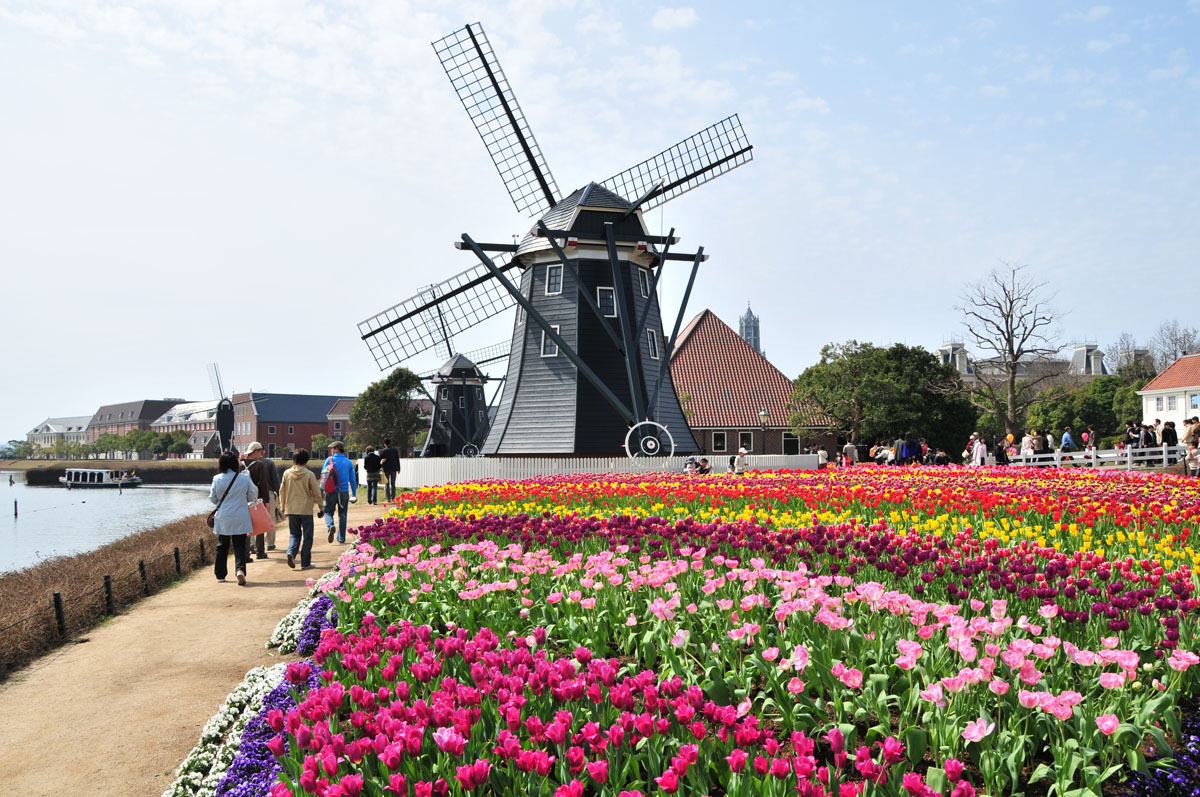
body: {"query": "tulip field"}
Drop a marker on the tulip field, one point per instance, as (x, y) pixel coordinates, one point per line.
(864, 631)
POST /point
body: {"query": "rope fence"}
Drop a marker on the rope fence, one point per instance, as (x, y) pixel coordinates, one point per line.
(65, 616)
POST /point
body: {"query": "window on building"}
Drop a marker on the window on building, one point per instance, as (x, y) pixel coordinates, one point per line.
(746, 440)
(1158, 403)
(718, 444)
(644, 281)
(479, 393)
(270, 430)
(462, 402)
(607, 299)
(291, 430)
(1172, 402)
(445, 394)
(442, 415)
(480, 414)
(652, 340)
(1195, 401)
(553, 280)
(791, 443)
(337, 426)
(549, 347)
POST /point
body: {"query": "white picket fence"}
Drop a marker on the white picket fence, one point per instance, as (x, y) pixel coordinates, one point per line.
(434, 471)
(1124, 458)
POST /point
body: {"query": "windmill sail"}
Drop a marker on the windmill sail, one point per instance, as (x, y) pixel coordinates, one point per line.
(434, 316)
(687, 165)
(475, 73)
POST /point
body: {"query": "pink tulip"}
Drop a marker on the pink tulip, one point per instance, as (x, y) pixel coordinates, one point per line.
(978, 729)
(954, 769)
(1112, 680)
(1107, 723)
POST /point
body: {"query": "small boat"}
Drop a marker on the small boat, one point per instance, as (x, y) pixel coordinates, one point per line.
(89, 477)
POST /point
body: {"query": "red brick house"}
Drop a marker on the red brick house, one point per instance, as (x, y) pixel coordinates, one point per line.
(287, 421)
(725, 386)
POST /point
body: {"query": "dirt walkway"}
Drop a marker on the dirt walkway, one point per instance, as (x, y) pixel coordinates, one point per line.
(116, 714)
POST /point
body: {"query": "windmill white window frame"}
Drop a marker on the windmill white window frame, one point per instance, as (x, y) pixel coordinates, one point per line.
(608, 306)
(552, 348)
(554, 277)
(443, 416)
(462, 402)
(644, 282)
(445, 394)
(479, 414)
(652, 342)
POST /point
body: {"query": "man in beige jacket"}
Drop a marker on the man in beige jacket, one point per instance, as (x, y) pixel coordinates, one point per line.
(299, 495)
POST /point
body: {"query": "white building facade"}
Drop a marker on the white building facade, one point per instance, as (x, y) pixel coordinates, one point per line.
(1174, 394)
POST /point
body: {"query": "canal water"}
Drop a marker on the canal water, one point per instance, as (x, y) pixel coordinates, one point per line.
(54, 521)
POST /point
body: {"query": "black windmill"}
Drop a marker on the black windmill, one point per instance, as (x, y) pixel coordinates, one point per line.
(460, 413)
(588, 367)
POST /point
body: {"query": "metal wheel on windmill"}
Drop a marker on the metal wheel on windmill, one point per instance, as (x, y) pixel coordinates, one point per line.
(588, 363)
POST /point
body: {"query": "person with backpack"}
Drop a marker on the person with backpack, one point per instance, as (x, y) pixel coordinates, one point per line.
(372, 464)
(339, 483)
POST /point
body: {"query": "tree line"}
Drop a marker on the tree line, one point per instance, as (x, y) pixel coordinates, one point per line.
(1015, 377)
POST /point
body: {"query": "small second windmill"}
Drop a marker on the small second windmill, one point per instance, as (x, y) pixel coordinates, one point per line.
(588, 366)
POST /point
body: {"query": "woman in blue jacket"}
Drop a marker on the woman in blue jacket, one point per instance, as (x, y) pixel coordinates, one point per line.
(232, 492)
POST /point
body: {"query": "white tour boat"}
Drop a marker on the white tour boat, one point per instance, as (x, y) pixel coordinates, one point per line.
(88, 477)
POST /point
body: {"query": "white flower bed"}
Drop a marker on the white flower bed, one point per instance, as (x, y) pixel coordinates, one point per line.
(287, 632)
(205, 765)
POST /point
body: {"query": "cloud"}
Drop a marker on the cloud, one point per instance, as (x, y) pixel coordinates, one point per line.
(805, 103)
(674, 18)
(1177, 69)
(983, 25)
(1093, 14)
(1099, 46)
(993, 92)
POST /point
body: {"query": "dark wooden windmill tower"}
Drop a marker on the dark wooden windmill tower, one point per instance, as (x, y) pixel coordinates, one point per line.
(588, 368)
(460, 413)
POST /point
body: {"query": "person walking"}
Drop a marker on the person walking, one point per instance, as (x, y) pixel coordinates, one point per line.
(266, 477)
(372, 466)
(298, 495)
(232, 492)
(850, 453)
(979, 452)
(389, 463)
(740, 462)
(898, 451)
(1067, 443)
(341, 488)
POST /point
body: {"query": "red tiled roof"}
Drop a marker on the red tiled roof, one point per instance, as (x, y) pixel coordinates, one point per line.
(1184, 372)
(729, 382)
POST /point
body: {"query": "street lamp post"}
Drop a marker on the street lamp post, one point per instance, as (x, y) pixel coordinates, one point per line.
(763, 417)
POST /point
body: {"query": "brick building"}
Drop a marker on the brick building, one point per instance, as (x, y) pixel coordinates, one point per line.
(120, 419)
(725, 386)
(288, 421)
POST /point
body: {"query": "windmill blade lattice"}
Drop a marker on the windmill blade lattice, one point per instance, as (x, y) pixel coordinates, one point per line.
(687, 165)
(434, 316)
(475, 73)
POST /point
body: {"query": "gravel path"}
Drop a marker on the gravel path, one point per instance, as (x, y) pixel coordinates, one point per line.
(115, 713)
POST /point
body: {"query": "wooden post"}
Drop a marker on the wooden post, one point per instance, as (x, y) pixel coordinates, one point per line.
(203, 557)
(14, 507)
(110, 605)
(142, 571)
(59, 616)
(178, 564)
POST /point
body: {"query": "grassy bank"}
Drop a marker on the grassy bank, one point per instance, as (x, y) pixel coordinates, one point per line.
(28, 622)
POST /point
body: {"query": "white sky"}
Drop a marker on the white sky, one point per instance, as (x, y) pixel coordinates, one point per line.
(184, 182)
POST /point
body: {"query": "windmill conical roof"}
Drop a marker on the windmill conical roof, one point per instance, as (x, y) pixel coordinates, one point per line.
(592, 195)
(459, 367)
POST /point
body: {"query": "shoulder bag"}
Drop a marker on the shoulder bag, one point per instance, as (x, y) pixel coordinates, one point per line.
(212, 516)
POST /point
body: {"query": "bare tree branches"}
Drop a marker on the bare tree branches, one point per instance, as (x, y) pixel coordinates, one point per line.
(1122, 352)
(1172, 340)
(1009, 319)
